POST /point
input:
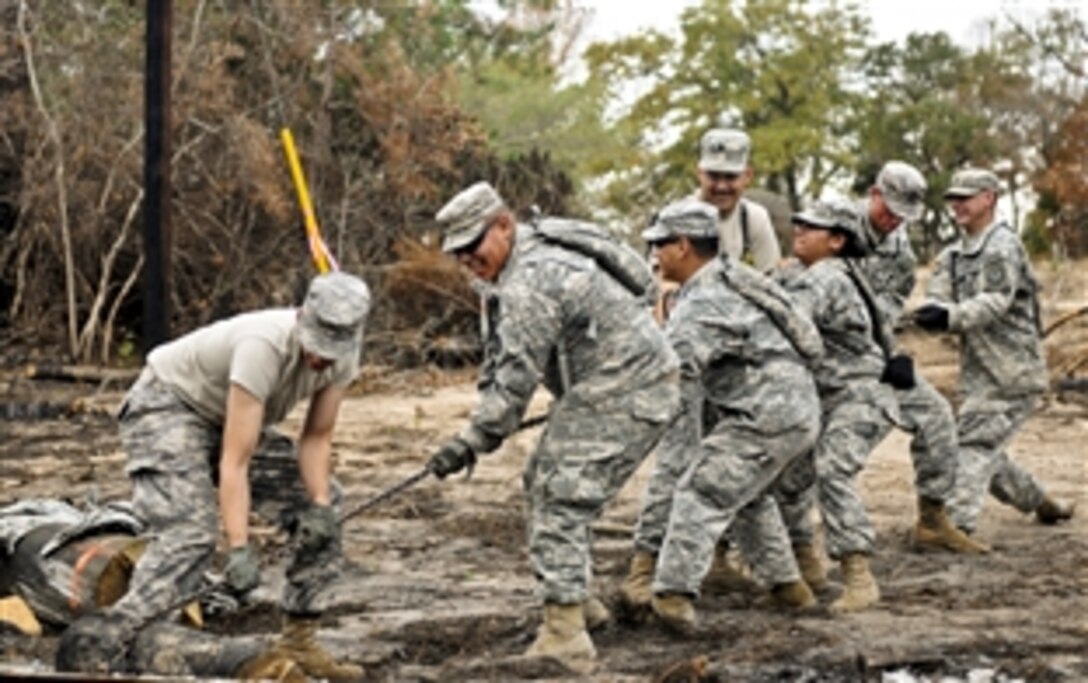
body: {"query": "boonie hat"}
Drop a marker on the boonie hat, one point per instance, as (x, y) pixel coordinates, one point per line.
(903, 188)
(333, 314)
(684, 218)
(971, 181)
(464, 218)
(724, 150)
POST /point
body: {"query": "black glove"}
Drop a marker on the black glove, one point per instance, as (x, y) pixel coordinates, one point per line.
(932, 317)
(243, 569)
(899, 372)
(454, 456)
(317, 528)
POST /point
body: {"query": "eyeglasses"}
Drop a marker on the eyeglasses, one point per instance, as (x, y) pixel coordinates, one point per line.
(657, 244)
(472, 246)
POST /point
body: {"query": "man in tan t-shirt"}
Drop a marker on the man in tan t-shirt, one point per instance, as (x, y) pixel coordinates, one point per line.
(190, 426)
(745, 229)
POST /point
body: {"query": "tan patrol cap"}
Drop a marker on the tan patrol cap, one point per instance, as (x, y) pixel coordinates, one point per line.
(971, 181)
(464, 218)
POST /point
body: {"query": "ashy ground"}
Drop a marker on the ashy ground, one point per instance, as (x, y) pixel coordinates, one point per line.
(441, 588)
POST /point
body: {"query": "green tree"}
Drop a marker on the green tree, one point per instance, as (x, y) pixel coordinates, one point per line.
(781, 69)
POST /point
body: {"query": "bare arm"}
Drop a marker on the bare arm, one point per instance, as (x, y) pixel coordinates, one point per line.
(245, 413)
(315, 444)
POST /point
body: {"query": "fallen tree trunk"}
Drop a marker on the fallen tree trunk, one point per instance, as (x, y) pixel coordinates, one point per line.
(82, 373)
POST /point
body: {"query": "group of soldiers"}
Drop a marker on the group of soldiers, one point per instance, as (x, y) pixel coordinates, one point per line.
(762, 395)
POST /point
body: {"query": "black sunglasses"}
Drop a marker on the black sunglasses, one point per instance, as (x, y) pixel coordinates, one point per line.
(472, 246)
(663, 242)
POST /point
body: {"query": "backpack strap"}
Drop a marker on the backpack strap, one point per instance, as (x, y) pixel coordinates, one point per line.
(880, 332)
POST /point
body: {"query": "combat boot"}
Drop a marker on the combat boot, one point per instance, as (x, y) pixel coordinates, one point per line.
(861, 589)
(635, 590)
(271, 666)
(1053, 510)
(595, 613)
(299, 644)
(676, 611)
(725, 577)
(563, 637)
(935, 530)
(812, 567)
(794, 595)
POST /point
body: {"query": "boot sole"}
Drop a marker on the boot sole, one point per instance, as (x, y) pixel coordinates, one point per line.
(926, 546)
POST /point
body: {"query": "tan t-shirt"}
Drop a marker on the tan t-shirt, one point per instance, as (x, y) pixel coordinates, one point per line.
(259, 351)
(764, 251)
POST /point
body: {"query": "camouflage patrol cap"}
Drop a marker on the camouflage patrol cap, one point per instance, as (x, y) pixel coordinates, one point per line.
(331, 320)
(903, 188)
(464, 218)
(971, 181)
(838, 216)
(685, 218)
(724, 150)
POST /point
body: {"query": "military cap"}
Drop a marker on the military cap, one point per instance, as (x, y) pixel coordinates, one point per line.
(724, 150)
(903, 188)
(464, 218)
(971, 181)
(685, 218)
(331, 320)
(838, 216)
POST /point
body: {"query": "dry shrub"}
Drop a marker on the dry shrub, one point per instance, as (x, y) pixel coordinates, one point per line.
(427, 309)
(382, 143)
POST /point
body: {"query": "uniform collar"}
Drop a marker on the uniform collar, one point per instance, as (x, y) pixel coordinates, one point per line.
(972, 244)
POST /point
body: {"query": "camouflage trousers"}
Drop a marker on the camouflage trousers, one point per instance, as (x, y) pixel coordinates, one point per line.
(172, 650)
(173, 464)
(827, 478)
(586, 454)
(934, 449)
(985, 430)
(730, 479)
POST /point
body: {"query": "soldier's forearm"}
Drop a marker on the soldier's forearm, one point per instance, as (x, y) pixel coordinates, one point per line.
(315, 466)
(234, 502)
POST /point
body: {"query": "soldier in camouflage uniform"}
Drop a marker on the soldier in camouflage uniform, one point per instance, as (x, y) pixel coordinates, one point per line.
(858, 409)
(984, 290)
(749, 407)
(896, 198)
(555, 316)
(190, 425)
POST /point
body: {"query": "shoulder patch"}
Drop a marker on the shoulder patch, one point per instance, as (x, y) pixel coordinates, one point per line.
(995, 275)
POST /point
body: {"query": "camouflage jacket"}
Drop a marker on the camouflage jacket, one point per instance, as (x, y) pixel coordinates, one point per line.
(735, 362)
(992, 298)
(889, 268)
(554, 316)
(853, 361)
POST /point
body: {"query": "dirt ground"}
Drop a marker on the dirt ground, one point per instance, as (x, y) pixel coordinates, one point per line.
(440, 588)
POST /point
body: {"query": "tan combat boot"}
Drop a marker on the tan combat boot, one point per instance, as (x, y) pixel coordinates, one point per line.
(563, 637)
(1053, 510)
(812, 567)
(635, 590)
(795, 595)
(935, 530)
(271, 666)
(676, 611)
(298, 643)
(595, 613)
(861, 589)
(724, 575)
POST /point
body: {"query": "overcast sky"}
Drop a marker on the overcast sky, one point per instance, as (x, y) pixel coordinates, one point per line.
(892, 19)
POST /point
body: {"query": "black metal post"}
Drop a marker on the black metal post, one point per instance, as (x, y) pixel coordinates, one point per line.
(157, 150)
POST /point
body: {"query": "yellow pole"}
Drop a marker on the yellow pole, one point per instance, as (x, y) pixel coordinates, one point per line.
(318, 250)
